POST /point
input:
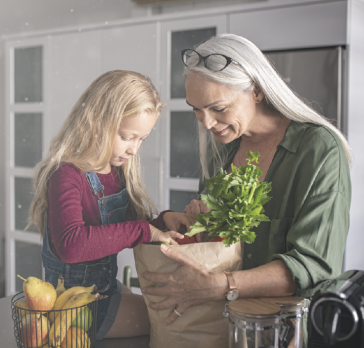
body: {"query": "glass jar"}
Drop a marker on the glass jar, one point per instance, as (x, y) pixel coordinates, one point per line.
(292, 310)
(253, 323)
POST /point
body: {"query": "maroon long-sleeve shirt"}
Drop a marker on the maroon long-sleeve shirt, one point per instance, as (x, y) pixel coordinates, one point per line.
(76, 233)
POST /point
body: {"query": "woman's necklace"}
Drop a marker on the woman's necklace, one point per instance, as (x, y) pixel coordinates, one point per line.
(272, 145)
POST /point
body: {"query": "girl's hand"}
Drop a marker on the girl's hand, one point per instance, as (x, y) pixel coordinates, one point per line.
(174, 221)
(196, 207)
(168, 237)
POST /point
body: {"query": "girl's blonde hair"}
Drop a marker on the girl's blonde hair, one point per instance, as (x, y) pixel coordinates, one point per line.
(255, 70)
(87, 136)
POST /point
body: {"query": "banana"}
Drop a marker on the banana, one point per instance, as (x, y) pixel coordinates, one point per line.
(76, 338)
(65, 296)
(22, 304)
(64, 320)
(60, 286)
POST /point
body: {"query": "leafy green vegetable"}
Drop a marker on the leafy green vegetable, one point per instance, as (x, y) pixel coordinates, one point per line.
(236, 201)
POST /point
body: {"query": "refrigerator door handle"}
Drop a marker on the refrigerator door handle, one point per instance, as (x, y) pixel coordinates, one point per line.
(339, 87)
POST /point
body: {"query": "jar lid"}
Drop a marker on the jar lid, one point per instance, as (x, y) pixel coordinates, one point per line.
(286, 300)
(254, 306)
(288, 303)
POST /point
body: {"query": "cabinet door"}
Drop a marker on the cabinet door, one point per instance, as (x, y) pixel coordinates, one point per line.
(179, 143)
(76, 62)
(26, 111)
(135, 48)
(295, 26)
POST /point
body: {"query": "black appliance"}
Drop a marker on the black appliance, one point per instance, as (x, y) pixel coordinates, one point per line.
(336, 316)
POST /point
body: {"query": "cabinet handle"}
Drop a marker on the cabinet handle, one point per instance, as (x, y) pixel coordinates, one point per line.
(161, 177)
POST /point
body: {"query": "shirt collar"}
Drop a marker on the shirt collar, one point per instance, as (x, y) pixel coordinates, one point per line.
(291, 140)
(293, 137)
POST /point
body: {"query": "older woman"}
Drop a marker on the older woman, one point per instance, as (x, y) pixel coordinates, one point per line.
(242, 105)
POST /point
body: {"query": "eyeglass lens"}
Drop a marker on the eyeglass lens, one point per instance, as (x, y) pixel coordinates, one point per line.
(213, 62)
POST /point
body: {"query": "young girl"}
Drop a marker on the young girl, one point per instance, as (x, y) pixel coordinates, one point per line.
(89, 200)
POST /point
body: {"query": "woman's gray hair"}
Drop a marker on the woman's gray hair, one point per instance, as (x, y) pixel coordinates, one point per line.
(255, 70)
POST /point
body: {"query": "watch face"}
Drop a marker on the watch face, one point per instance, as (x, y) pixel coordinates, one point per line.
(232, 295)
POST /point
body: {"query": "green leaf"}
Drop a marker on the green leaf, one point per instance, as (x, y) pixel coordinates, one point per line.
(253, 157)
(235, 215)
(196, 228)
(219, 214)
(210, 202)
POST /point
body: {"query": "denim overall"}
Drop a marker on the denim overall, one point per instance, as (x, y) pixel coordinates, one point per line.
(102, 272)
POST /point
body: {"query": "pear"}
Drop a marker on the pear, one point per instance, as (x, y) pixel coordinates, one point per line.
(39, 295)
(34, 330)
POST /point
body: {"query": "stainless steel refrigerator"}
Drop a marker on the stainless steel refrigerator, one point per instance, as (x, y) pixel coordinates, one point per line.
(317, 76)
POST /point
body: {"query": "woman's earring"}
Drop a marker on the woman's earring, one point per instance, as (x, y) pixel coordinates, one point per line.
(257, 101)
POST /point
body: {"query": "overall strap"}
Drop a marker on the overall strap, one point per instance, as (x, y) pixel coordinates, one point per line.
(94, 182)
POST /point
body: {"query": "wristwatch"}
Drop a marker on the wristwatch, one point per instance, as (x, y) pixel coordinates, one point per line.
(232, 294)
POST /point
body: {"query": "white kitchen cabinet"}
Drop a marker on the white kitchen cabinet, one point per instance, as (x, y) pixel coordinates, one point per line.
(75, 62)
(134, 48)
(179, 159)
(293, 26)
(26, 110)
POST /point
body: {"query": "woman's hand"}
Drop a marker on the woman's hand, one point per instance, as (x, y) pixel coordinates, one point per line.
(196, 207)
(174, 221)
(190, 285)
(167, 237)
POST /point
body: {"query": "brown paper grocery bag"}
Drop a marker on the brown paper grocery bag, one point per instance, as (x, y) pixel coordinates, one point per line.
(202, 326)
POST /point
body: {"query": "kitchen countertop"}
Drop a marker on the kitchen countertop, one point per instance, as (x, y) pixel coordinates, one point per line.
(7, 338)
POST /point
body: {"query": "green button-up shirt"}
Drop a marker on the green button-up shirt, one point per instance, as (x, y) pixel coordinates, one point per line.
(309, 209)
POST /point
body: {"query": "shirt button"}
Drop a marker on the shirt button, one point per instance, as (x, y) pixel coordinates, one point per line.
(249, 256)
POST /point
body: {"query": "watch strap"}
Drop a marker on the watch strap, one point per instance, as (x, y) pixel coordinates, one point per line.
(231, 282)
